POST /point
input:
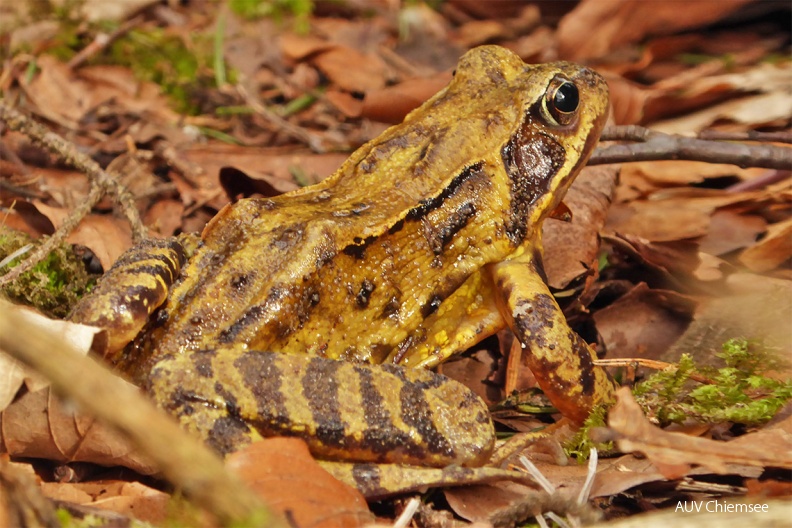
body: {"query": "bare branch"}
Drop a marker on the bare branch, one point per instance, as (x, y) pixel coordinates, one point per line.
(658, 146)
(101, 183)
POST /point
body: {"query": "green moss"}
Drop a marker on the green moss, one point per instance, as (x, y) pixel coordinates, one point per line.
(739, 392)
(54, 285)
(184, 73)
(278, 9)
(580, 445)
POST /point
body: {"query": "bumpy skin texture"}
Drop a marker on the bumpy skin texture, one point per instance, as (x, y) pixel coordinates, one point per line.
(423, 243)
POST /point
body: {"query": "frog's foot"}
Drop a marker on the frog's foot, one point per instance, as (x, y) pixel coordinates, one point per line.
(376, 413)
(379, 481)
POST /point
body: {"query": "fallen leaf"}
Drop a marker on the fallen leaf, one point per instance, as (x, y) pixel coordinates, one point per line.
(772, 251)
(368, 74)
(131, 499)
(675, 453)
(285, 476)
(622, 22)
(106, 236)
(39, 425)
(571, 248)
(392, 103)
(644, 322)
(729, 231)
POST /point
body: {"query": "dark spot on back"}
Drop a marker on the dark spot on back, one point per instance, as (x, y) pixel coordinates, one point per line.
(431, 305)
(202, 359)
(364, 293)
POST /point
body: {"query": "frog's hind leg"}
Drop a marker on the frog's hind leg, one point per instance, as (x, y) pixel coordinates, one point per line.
(131, 290)
(465, 318)
(379, 413)
(561, 361)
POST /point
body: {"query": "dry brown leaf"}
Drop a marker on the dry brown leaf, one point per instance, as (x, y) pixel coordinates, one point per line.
(622, 22)
(651, 175)
(483, 503)
(628, 100)
(297, 47)
(106, 236)
(352, 70)
(131, 499)
(764, 99)
(674, 453)
(571, 248)
(238, 184)
(276, 163)
(729, 231)
(65, 96)
(13, 374)
(347, 104)
(39, 425)
(643, 323)
(477, 32)
(285, 476)
(392, 103)
(657, 221)
(164, 216)
(772, 251)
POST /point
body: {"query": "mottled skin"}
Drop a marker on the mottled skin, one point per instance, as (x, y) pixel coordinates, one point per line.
(423, 243)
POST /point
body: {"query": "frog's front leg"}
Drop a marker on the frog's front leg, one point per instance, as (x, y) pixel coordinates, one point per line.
(561, 360)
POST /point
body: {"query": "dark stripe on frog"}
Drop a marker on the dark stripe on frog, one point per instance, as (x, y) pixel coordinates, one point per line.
(228, 434)
(441, 293)
(357, 249)
(367, 480)
(433, 203)
(261, 373)
(320, 389)
(380, 436)
(173, 256)
(438, 236)
(416, 413)
(253, 315)
(202, 360)
(587, 380)
(531, 161)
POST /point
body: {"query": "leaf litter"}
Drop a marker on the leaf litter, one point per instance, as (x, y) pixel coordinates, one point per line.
(688, 263)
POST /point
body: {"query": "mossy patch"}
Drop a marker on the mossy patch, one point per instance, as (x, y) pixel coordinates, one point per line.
(745, 391)
(54, 285)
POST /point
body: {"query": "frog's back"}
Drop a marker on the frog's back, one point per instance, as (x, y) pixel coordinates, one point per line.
(371, 244)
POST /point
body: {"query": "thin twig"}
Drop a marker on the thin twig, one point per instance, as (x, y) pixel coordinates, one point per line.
(750, 135)
(313, 141)
(101, 183)
(101, 42)
(185, 461)
(658, 146)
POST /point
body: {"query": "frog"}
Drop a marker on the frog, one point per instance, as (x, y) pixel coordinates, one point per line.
(320, 312)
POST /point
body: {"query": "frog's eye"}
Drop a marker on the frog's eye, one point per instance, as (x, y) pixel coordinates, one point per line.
(561, 102)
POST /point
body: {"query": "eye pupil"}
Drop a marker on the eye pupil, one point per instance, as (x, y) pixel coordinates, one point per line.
(566, 98)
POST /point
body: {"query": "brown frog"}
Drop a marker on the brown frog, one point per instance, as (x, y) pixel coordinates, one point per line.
(424, 242)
